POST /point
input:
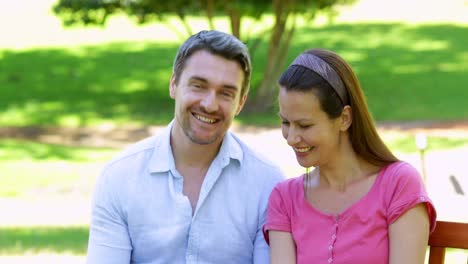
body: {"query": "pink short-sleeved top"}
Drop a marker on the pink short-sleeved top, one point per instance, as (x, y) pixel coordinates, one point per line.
(357, 235)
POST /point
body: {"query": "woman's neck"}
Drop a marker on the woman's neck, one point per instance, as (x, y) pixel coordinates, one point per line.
(344, 170)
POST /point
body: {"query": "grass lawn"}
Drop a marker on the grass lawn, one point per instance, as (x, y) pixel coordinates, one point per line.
(28, 167)
(74, 240)
(405, 143)
(408, 72)
(33, 240)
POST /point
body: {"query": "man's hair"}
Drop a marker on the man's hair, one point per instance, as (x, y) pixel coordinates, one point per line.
(217, 43)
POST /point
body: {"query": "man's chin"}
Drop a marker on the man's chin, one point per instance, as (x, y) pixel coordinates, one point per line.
(203, 141)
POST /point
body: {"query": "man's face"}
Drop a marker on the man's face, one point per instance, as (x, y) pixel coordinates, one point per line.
(207, 97)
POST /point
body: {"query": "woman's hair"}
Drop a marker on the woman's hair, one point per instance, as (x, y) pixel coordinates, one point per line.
(333, 81)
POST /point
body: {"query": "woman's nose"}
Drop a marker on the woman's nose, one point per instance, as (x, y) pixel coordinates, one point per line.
(292, 136)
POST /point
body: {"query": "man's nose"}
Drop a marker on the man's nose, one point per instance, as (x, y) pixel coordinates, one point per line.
(209, 102)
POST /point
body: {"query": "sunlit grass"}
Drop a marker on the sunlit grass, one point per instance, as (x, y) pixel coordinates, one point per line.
(405, 143)
(34, 240)
(27, 167)
(408, 72)
(73, 241)
(22, 178)
(120, 73)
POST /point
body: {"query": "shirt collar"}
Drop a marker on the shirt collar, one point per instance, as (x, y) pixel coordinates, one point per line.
(230, 149)
(162, 159)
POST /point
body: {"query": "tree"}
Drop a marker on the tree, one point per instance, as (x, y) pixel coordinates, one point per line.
(285, 13)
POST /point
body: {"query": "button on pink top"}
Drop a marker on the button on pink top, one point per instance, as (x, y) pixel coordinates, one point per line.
(357, 235)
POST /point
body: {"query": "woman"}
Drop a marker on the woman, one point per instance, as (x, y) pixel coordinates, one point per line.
(360, 204)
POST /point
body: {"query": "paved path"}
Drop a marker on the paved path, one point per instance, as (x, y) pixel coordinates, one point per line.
(447, 185)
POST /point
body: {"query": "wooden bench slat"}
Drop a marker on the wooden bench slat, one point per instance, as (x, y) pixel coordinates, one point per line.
(450, 234)
(446, 234)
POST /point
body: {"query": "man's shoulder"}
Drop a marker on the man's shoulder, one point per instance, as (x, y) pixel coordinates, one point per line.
(135, 150)
(253, 159)
(252, 155)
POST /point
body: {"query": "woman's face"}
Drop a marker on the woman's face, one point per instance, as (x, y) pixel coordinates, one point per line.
(314, 137)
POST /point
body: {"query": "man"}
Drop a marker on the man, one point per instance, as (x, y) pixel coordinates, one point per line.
(195, 193)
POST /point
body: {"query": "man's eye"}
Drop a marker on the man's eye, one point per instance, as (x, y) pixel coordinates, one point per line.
(228, 94)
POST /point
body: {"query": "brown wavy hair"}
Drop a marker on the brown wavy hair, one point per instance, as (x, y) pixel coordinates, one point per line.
(363, 135)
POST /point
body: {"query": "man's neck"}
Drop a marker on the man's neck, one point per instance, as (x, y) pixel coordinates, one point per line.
(192, 161)
(189, 154)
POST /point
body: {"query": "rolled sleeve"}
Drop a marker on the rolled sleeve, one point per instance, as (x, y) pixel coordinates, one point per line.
(109, 240)
(277, 214)
(408, 192)
(261, 253)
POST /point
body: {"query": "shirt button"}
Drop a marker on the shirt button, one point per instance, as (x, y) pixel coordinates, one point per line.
(422, 198)
(330, 260)
(334, 236)
(330, 247)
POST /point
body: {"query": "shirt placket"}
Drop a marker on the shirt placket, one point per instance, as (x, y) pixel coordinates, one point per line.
(191, 254)
(331, 245)
(193, 242)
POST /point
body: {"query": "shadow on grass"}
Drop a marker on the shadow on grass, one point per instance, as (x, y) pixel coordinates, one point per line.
(14, 150)
(86, 85)
(409, 72)
(20, 240)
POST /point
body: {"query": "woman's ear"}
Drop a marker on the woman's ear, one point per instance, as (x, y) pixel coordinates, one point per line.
(346, 118)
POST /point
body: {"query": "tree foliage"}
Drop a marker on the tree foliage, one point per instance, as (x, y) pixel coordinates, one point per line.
(285, 12)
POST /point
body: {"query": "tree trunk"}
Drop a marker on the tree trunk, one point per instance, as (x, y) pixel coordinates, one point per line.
(185, 23)
(277, 50)
(182, 36)
(208, 6)
(235, 19)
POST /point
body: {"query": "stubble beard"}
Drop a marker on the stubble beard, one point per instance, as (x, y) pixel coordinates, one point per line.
(189, 133)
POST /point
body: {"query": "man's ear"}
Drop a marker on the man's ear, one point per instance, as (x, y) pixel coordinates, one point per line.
(242, 101)
(172, 87)
(346, 118)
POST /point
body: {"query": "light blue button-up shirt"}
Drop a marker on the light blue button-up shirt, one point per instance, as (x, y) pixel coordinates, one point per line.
(140, 214)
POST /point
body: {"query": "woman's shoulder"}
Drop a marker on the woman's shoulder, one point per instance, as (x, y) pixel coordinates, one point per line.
(401, 179)
(286, 193)
(400, 170)
(291, 185)
(404, 189)
(401, 164)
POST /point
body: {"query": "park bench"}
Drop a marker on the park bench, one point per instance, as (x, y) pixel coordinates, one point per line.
(447, 235)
